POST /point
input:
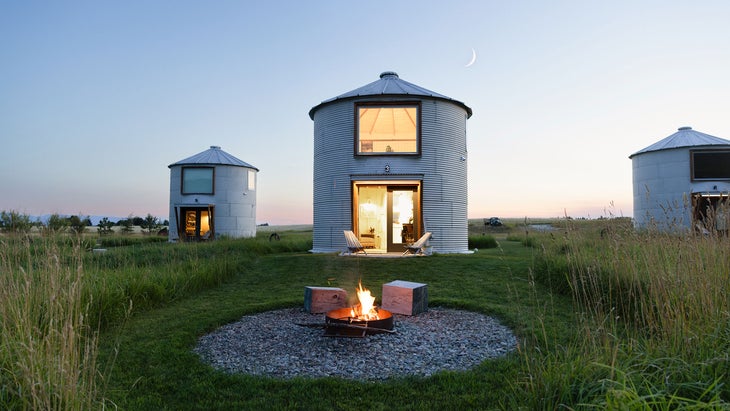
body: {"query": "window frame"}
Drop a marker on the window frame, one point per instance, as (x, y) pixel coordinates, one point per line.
(251, 180)
(692, 162)
(182, 180)
(387, 104)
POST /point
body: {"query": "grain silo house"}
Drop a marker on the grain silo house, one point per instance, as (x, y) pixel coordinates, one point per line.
(682, 182)
(390, 164)
(212, 194)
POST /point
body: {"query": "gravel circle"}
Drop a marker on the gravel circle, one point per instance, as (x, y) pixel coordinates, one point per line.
(275, 344)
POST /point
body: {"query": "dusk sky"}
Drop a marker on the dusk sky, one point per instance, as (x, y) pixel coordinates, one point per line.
(97, 98)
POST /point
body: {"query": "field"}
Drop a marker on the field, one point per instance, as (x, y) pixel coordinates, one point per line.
(607, 318)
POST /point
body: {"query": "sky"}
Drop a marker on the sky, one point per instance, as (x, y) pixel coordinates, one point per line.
(97, 98)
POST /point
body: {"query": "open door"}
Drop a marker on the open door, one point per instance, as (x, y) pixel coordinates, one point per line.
(386, 216)
(196, 224)
(711, 212)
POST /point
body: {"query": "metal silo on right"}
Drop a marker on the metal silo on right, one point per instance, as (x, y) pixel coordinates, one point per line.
(682, 182)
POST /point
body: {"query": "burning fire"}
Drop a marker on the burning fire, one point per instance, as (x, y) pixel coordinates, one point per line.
(366, 309)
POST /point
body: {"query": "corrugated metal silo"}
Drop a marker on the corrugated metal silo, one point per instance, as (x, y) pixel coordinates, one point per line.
(390, 164)
(212, 194)
(681, 182)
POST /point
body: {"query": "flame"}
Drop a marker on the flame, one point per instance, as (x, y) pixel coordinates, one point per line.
(366, 309)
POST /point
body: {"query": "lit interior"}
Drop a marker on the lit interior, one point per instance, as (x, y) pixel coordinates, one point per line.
(204, 223)
(192, 228)
(387, 129)
(402, 214)
(373, 213)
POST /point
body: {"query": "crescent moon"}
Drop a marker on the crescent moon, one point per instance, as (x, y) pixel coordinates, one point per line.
(473, 58)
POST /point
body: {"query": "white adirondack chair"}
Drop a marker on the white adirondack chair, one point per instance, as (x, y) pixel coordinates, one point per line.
(417, 247)
(353, 244)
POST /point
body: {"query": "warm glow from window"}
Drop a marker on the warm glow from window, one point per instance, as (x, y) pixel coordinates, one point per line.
(387, 129)
(204, 223)
(251, 180)
(403, 207)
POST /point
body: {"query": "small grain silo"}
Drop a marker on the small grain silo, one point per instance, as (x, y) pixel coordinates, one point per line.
(212, 194)
(390, 164)
(682, 182)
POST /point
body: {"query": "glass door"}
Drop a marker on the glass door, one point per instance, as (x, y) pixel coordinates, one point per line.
(371, 221)
(386, 217)
(401, 217)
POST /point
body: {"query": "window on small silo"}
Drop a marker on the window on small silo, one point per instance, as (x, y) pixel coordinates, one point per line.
(251, 180)
(197, 180)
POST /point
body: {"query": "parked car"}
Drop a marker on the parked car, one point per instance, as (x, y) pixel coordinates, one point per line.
(495, 222)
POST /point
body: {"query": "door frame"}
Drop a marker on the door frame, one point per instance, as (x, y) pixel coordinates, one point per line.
(180, 212)
(708, 208)
(390, 185)
(391, 245)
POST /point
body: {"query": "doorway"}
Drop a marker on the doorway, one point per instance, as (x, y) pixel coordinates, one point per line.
(196, 223)
(711, 212)
(387, 216)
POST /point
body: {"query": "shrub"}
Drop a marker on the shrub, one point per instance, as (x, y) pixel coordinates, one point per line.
(57, 224)
(482, 241)
(15, 222)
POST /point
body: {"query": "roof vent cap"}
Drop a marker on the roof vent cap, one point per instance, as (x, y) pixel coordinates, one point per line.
(684, 128)
(389, 74)
(215, 147)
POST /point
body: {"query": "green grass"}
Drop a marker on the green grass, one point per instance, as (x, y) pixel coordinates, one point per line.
(606, 318)
(156, 368)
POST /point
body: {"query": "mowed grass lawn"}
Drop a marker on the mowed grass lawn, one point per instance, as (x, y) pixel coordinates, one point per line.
(156, 369)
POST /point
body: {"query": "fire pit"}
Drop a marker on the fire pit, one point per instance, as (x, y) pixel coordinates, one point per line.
(360, 320)
(340, 323)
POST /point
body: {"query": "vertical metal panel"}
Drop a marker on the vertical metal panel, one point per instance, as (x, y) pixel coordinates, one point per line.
(175, 198)
(445, 183)
(661, 185)
(333, 145)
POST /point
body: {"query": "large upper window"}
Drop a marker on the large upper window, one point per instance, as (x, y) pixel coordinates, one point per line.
(710, 165)
(384, 129)
(197, 180)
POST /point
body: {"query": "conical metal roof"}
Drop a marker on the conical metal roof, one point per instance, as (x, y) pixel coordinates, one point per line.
(213, 156)
(684, 137)
(389, 84)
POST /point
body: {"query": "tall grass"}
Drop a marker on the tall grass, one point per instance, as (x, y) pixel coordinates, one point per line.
(55, 295)
(654, 319)
(48, 350)
(149, 275)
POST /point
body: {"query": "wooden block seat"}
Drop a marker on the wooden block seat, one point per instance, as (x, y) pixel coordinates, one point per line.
(405, 297)
(324, 299)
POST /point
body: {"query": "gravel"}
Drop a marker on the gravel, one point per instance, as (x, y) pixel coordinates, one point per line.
(275, 344)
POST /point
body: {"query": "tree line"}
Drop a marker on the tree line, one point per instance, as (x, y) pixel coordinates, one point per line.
(15, 222)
